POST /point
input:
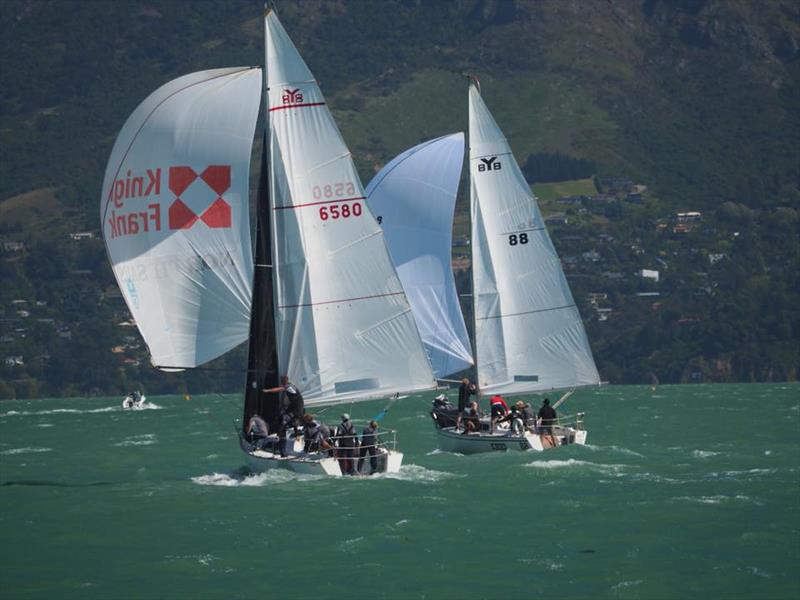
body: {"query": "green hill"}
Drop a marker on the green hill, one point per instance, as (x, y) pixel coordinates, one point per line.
(698, 101)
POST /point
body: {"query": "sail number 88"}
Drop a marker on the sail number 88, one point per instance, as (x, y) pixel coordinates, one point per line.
(515, 239)
(336, 211)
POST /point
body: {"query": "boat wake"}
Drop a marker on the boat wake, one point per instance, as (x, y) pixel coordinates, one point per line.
(58, 411)
(249, 479)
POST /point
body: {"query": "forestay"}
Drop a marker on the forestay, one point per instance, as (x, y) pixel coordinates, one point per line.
(345, 329)
(174, 213)
(413, 198)
(529, 335)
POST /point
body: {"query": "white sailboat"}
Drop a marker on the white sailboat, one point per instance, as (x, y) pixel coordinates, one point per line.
(529, 337)
(321, 303)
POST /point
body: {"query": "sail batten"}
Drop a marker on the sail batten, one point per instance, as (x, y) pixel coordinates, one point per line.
(529, 336)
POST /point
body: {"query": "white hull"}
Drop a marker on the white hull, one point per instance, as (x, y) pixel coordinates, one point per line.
(128, 402)
(503, 440)
(389, 461)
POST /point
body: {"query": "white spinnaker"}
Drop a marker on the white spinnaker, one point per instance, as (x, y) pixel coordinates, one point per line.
(414, 197)
(174, 212)
(529, 335)
(345, 329)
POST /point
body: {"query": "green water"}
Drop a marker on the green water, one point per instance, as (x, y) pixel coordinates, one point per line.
(689, 491)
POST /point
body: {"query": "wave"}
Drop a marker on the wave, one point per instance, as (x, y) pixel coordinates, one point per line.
(248, 479)
(719, 499)
(418, 474)
(614, 469)
(57, 411)
(626, 584)
(25, 451)
(146, 439)
(704, 453)
(618, 449)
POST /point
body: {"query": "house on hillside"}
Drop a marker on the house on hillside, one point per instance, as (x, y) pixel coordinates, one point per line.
(650, 274)
(614, 185)
(556, 220)
(13, 246)
(82, 235)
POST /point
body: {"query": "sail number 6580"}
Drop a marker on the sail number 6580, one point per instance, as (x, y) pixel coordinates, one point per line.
(335, 211)
(333, 190)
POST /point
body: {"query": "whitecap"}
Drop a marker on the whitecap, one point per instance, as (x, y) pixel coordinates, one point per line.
(45, 425)
(617, 449)
(145, 439)
(719, 499)
(26, 450)
(58, 411)
(704, 453)
(419, 474)
(574, 463)
(271, 477)
(626, 584)
(351, 545)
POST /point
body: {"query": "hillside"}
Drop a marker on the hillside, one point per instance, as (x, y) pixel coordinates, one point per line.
(696, 102)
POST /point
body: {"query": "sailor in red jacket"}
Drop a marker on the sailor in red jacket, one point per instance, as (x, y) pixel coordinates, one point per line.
(499, 408)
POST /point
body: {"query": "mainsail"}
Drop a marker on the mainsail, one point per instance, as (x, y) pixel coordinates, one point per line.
(528, 333)
(174, 213)
(345, 331)
(414, 197)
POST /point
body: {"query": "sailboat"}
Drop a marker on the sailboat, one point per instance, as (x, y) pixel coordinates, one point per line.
(320, 303)
(529, 337)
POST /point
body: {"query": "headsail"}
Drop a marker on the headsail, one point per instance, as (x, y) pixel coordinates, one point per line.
(414, 197)
(174, 212)
(345, 329)
(528, 333)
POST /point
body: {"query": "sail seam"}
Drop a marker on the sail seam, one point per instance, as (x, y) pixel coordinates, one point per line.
(523, 230)
(488, 155)
(341, 301)
(318, 203)
(274, 108)
(529, 312)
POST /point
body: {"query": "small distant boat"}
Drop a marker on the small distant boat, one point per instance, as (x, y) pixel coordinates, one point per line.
(134, 400)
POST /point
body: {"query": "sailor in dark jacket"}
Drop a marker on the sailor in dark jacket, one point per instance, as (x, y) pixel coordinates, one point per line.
(312, 433)
(465, 390)
(347, 441)
(257, 431)
(294, 399)
(548, 416)
(369, 445)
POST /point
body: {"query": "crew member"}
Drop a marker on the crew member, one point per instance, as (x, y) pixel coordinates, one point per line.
(347, 442)
(369, 446)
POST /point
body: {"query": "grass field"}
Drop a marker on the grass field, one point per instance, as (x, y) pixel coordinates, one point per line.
(561, 189)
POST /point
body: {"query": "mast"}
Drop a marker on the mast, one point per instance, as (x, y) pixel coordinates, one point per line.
(473, 80)
(262, 361)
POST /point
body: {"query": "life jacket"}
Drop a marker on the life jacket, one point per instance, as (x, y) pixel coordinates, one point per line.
(346, 434)
(312, 430)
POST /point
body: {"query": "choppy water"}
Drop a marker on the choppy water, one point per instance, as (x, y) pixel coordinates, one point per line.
(689, 491)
